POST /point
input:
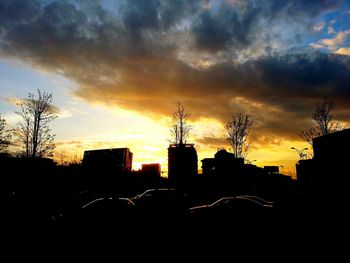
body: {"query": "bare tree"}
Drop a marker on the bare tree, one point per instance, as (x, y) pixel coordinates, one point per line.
(5, 136)
(23, 130)
(33, 130)
(308, 135)
(323, 117)
(324, 121)
(237, 132)
(180, 129)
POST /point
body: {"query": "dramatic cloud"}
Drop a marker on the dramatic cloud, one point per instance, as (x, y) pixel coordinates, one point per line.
(241, 25)
(53, 109)
(213, 142)
(12, 101)
(216, 57)
(339, 39)
(344, 51)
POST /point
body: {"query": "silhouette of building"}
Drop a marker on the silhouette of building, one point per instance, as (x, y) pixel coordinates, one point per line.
(182, 164)
(152, 170)
(208, 166)
(115, 161)
(223, 164)
(333, 147)
(328, 172)
(306, 170)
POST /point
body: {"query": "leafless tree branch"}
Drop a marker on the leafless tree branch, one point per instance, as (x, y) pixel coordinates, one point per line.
(180, 129)
(5, 136)
(33, 130)
(237, 132)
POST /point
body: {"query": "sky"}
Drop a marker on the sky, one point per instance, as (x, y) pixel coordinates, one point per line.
(117, 69)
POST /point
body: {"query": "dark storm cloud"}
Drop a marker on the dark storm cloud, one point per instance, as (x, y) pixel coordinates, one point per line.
(156, 14)
(306, 73)
(225, 28)
(278, 90)
(147, 55)
(17, 12)
(299, 7)
(237, 23)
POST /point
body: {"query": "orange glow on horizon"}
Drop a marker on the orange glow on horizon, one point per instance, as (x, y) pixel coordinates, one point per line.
(148, 140)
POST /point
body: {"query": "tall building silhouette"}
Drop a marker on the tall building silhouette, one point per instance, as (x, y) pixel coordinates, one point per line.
(182, 164)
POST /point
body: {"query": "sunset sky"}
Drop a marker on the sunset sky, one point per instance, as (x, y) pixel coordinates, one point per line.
(116, 70)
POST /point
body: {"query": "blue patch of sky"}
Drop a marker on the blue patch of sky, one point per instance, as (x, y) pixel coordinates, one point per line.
(18, 79)
(338, 19)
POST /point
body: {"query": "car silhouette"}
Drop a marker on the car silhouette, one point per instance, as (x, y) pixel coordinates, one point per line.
(161, 201)
(71, 207)
(234, 207)
(107, 211)
(258, 199)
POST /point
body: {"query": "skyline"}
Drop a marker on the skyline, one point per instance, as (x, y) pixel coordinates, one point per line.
(117, 70)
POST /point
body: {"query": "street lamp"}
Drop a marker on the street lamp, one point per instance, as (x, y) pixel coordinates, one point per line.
(300, 152)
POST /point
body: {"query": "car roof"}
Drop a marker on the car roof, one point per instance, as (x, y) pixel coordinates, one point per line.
(155, 190)
(255, 197)
(252, 198)
(105, 199)
(222, 199)
(93, 201)
(241, 197)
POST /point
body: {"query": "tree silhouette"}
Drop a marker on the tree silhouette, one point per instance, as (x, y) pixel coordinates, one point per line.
(308, 135)
(180, 129)
(33, 130)
(5, 136)
(323, 120)
(237, 132)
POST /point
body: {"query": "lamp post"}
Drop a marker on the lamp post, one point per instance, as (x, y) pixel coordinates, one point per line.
(301, 153)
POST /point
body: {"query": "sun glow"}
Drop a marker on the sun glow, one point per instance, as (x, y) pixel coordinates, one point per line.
(148, 140)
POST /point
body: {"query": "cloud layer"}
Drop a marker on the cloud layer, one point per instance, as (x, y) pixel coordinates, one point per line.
(216, 57)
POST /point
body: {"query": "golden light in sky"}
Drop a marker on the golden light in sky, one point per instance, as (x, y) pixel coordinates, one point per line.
(117, 69)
